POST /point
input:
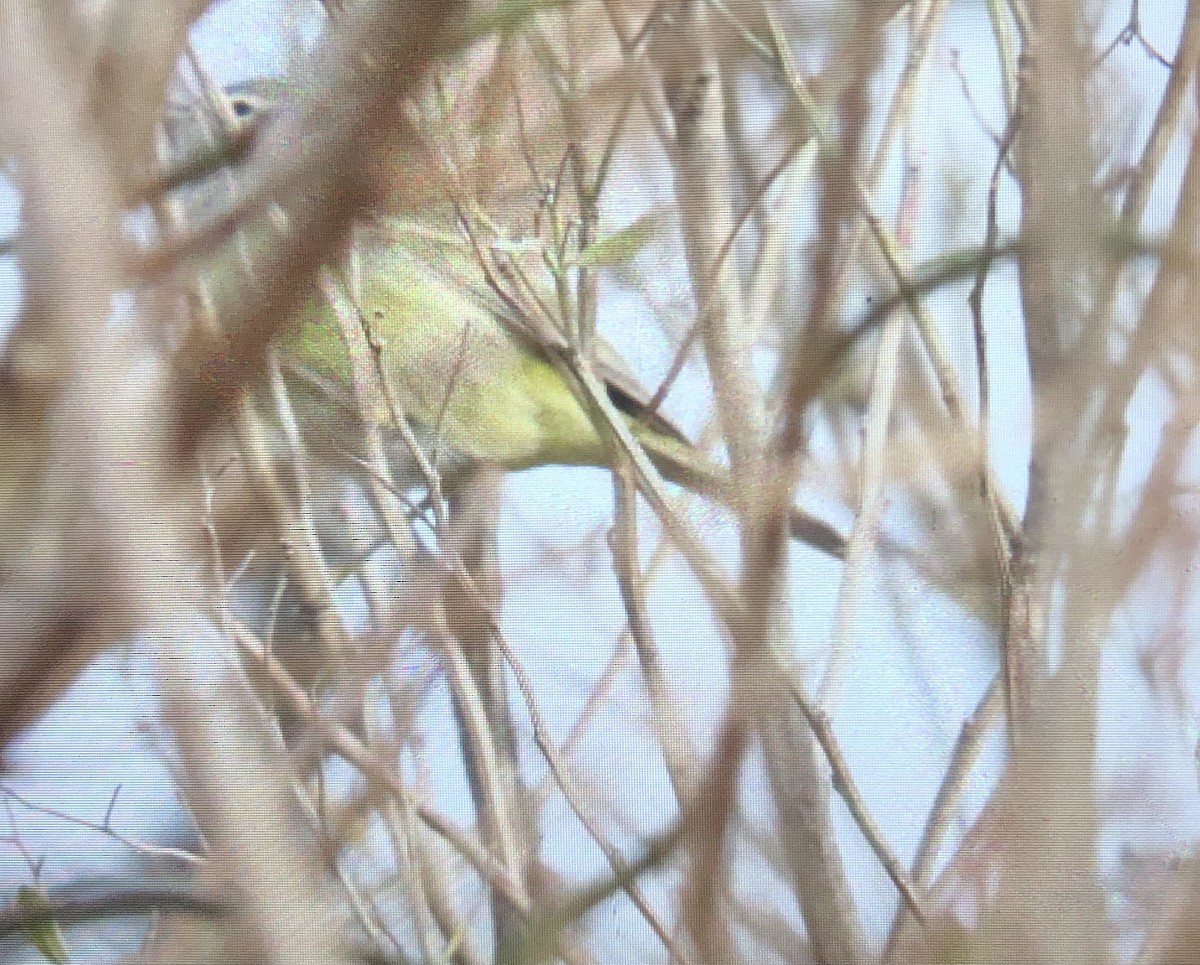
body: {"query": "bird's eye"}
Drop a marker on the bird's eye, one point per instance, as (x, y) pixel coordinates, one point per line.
(241, 108)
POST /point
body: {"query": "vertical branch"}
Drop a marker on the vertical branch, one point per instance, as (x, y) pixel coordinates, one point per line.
(925, 18)
(240, 788)
(691, 82)
(95, 495)
(471, 606)
(762, 477)
(1171, 293)
(669, 727)
(1049, 803)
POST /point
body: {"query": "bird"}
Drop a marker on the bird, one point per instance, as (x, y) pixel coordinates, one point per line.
(473, 372)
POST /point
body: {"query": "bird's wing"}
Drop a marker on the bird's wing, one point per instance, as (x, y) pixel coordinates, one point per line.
(448, 254)
(629, 395)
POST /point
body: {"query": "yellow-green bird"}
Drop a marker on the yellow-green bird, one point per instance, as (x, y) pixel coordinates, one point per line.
(466, 366)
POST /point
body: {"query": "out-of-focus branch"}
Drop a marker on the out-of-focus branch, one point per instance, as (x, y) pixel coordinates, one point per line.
(1176, 940)
(91, 542)
(137, 46)
(238, 783)
(888, 263)
(669, 727)
(1047, 808)
(762, 472)
(347, 120)
(964, 757)
(90, 903)
(341, 740)
(926, 17)
(1059, 219)
(1170, 296)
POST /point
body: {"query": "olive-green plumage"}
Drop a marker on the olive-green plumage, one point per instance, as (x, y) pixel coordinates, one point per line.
(468, 370)
(492, 394)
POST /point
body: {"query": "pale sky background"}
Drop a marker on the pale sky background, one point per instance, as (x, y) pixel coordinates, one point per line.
(902, 707)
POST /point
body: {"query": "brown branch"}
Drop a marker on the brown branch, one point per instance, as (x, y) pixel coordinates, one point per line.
(346, 121)
(93, 495)
(762, 474)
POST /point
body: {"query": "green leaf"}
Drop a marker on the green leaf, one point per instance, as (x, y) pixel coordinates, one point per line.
(621, 246)
(44, 934)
